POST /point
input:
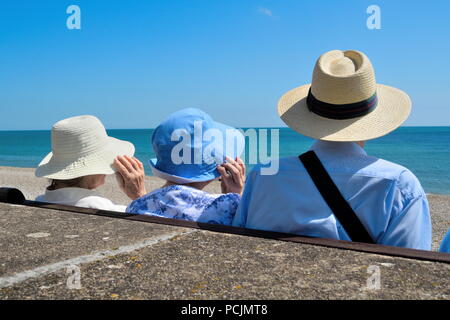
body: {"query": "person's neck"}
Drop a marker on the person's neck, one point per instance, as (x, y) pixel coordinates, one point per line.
(195, 185)
(57, 187)
(361, 144)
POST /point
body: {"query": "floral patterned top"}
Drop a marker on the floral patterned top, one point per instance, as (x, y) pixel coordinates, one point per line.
(187, 203)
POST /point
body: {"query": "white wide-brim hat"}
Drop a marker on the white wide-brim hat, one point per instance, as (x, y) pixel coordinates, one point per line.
(344, 102)
(81, 147)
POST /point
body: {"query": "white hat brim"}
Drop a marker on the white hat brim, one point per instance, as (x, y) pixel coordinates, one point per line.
(99, 162)
(394, 107)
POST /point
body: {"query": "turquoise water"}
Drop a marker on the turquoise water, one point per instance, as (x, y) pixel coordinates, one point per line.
(424, 150)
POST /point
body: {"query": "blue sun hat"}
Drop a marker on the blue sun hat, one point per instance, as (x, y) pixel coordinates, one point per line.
(189, 145)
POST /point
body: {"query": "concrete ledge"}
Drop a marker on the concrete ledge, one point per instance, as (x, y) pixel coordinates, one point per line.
(149, 261)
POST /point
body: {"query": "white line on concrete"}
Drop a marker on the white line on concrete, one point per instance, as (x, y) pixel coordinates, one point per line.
(96, 256)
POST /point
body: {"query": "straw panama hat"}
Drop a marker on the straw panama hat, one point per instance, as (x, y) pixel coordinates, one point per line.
(81, 147)
(344, 102)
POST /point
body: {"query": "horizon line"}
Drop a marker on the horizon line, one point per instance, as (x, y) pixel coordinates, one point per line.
(238, 127)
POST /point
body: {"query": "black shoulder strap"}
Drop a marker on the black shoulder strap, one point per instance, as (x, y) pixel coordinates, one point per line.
(333, 197)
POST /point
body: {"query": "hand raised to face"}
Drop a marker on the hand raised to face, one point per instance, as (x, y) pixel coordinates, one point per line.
(232, 176)
(130, 176)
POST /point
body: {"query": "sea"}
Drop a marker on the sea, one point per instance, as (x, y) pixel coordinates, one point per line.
(423, 150)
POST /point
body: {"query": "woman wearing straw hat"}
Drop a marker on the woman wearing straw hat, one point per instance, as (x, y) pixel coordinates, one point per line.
(182, 159)
(82, 155)
(336, 190)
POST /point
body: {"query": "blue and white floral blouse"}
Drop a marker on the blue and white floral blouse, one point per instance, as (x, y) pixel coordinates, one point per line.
(186, 203)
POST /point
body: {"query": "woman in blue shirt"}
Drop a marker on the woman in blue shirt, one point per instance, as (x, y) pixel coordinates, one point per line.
(189, 160)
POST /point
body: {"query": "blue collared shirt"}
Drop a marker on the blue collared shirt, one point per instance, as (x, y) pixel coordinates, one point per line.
(445, 245)
(387, 198)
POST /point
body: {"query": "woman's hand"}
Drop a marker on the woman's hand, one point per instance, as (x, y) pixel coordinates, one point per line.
(130, 176)
(232, 176)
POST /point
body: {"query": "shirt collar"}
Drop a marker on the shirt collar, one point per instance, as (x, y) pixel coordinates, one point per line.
(344, 148)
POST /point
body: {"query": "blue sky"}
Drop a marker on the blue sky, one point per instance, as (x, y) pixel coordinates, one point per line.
(133, 62)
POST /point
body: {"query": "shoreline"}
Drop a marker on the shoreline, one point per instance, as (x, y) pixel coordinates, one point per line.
(31, 186)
